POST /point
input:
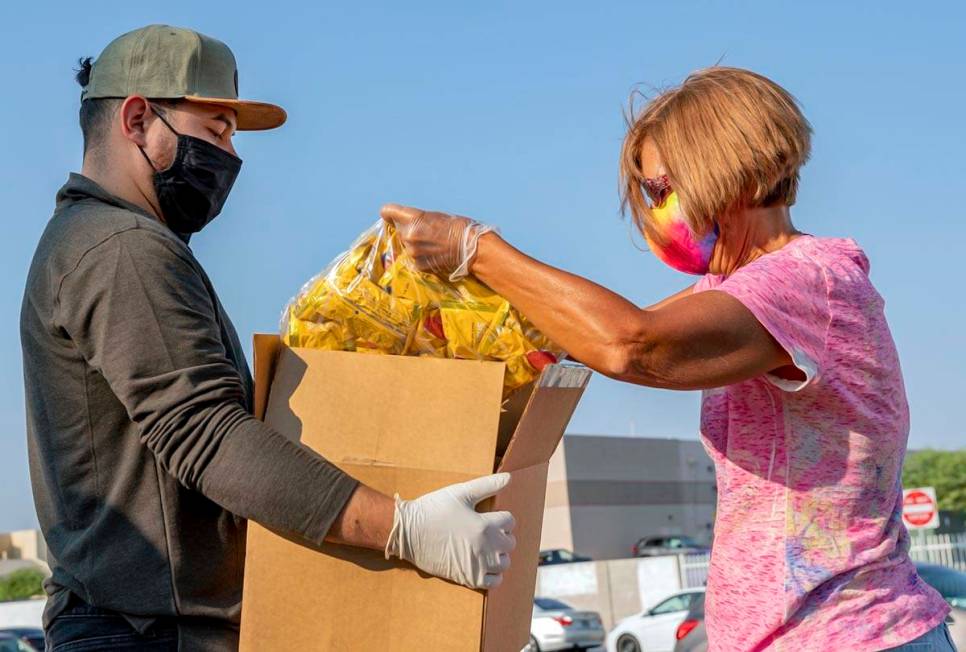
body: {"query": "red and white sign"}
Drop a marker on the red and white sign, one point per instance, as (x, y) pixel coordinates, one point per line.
(919, 509)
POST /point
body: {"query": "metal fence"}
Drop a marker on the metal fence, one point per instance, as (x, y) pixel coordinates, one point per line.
(943, 549)
(693, 569)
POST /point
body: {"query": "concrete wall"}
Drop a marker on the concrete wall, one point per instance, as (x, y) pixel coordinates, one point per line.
(608, 532)
(605, 493)
(556, 531)
(615, 589)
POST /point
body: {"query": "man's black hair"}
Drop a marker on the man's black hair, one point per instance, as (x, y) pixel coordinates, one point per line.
(95, 114)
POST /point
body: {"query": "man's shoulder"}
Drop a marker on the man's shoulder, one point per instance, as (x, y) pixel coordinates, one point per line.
(76, 231)
(86, 232)
(87, 223)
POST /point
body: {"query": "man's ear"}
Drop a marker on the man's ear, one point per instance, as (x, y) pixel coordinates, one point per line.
(135, 116)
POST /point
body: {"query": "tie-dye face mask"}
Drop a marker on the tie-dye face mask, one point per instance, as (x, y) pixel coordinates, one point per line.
(680, 248)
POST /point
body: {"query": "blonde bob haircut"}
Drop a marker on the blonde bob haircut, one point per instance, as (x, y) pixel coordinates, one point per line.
(729, 138)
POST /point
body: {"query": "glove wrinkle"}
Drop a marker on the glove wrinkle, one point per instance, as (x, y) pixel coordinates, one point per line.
(442, 534)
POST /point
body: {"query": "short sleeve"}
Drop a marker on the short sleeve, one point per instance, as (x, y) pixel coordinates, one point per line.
(787, 292)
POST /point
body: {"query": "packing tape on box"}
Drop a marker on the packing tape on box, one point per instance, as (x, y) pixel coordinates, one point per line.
(568, 376)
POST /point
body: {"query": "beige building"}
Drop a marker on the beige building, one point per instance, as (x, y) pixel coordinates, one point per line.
(22, 549)
(23, 544)
(605, 493)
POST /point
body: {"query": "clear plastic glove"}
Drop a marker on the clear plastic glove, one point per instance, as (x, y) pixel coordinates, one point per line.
(442, 534)
(438, 242)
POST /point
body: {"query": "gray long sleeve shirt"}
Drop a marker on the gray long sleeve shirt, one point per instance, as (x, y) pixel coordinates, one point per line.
(145, 460)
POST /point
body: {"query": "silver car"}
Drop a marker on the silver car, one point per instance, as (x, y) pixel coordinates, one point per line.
(690, 634)
(558, 626)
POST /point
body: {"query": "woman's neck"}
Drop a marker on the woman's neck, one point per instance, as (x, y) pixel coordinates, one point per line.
(749, 234)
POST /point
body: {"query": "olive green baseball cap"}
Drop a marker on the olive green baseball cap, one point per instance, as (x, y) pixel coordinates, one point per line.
(164, 62)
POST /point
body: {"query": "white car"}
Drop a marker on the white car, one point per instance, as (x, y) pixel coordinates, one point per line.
(653, 630)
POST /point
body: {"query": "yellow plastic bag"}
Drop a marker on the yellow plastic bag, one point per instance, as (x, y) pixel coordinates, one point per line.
(371, 299)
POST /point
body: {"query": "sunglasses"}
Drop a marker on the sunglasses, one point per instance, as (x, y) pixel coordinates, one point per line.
(657, 190)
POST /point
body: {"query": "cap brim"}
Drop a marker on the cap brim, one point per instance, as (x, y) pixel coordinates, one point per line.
(252, 116)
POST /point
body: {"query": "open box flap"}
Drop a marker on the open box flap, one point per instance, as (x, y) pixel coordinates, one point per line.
(546, 416)
(509, 606)
(425, 413)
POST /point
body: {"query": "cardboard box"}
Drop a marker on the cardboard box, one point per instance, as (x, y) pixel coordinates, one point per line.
(407, 425)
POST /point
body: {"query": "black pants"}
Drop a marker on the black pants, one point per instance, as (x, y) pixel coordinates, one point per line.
(82, 628)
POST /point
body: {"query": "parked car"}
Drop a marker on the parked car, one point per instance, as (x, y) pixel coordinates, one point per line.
(560, 556)
(951, 585)
(667, 545)
(691, 635)
(32, 635)
(12, 643)
(558, 626)
(653, 630)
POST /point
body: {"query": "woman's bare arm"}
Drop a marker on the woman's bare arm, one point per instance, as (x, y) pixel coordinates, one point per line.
(688, 341)
(688, 291)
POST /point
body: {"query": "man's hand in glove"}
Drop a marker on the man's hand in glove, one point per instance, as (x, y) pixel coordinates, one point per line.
(442, 534)
(439, 243)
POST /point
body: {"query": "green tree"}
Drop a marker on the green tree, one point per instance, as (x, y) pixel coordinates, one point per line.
(944, 470)
(21, 584)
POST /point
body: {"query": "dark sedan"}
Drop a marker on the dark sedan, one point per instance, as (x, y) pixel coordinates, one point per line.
(560, 556)
(667, 545)
(13, 643)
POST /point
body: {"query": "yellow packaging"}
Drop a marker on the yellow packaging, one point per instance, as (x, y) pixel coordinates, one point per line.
(372, 299)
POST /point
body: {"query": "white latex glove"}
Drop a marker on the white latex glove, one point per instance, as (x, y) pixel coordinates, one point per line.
(438, 242)
(442, 534)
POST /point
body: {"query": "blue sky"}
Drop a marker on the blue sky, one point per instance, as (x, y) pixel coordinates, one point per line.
(511, 113)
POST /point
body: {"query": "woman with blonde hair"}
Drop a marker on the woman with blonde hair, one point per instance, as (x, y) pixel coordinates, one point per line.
(803, 411)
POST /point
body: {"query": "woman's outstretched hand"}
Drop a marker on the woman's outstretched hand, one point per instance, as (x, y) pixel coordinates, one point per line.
(439, 243)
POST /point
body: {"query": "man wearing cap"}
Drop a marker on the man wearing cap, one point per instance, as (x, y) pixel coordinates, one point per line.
(145, 460)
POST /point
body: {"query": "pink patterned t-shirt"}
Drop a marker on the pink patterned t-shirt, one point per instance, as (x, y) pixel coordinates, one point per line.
(809, 548)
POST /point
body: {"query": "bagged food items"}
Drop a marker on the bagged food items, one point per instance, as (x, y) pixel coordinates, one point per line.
(371, 299)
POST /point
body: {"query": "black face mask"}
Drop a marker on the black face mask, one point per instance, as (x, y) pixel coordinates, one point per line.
(192, 191)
